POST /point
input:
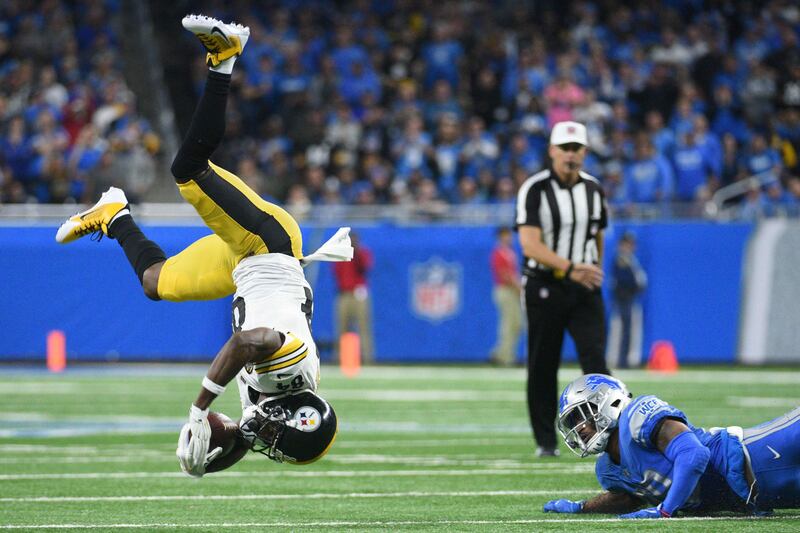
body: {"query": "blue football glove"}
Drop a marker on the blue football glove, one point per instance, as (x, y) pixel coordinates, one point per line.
(652, 512)
(563, 506)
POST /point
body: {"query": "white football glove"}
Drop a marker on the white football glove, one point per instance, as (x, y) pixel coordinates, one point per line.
(192, 451)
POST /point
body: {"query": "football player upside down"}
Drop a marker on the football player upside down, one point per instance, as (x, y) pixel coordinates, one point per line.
(255, 253)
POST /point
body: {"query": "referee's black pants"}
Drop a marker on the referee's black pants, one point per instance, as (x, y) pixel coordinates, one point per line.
(554, 306)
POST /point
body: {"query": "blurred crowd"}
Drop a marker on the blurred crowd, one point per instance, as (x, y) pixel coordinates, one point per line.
(408, 102)
(68, 119)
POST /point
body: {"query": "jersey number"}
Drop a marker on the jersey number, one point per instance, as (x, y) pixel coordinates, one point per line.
(237, 308)
(297, 383)
(237, 311)
(654, 485)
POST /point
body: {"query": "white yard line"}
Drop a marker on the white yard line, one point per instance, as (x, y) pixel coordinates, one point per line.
(761, 401)
(46, 448)
(516, 471)
(69, 460)
(52, 449)
(317, 496)
(522, 460)
(378, 523)
(36, 387)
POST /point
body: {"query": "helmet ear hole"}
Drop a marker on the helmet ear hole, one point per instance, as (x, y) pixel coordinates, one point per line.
(615, 403)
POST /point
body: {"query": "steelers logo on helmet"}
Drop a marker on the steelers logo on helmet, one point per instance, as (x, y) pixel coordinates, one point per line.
(307, 419)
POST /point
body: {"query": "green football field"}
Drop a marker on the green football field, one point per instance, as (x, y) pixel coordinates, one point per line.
(422, 448)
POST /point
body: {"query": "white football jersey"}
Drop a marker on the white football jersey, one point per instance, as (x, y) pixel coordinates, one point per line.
(272, 291)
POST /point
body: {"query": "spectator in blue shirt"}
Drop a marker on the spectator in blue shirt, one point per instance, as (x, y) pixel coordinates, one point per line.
(446, 154)
(761, 159)
(293, 81)
(406, 103)
(412, 149)
(662, 137)
(614, 184)
(519, 154)
(480, 148)
(648, 178)
(752, 47)
(726, 116)
(732, 75)
(533, 68)
(442, 103)
(683, 118)
(16, 149)
(360, 80)
(709, 143)
(258, 94)
(442, 57)
(347, 51)
(693, 172)
(731, 168)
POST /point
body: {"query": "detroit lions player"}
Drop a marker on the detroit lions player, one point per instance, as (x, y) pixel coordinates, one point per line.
(256, 250)
(655, 458)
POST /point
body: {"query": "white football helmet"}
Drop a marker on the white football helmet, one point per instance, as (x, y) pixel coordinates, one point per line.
(596, 399)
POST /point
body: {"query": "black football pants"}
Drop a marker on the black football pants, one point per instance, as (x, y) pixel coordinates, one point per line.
(554, 307)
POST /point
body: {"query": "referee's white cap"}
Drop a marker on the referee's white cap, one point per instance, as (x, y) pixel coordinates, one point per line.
(568, 132)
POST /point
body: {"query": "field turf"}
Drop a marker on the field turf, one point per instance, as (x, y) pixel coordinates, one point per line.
(422, 448)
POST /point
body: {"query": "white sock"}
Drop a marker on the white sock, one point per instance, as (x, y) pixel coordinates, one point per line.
(122, 213)
(226, 67)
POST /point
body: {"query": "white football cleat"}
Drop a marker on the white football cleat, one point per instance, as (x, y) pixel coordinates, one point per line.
(96, 218)
(222, 41)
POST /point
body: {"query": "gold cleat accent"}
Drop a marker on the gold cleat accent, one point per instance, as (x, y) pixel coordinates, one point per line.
(95, 219)
(235, 48)
(221, 41)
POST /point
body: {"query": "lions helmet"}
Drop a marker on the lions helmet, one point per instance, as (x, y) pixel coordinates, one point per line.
(298, 428)
(594, 398)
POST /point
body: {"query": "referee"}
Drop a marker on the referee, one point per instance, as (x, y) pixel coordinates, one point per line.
(561, 214)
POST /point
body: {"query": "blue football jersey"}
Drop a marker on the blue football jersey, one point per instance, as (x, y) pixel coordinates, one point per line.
(647, 473)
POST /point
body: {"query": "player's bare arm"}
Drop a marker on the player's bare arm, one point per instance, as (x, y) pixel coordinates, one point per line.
(243, 347)
(612, 502)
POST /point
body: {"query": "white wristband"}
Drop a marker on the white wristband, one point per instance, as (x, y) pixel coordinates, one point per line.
(212, 387)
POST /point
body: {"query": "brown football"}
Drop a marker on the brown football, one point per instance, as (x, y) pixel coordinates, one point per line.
(224, 432)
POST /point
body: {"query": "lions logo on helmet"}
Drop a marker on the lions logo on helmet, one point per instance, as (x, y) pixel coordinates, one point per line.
(594, 400)
(298, 428)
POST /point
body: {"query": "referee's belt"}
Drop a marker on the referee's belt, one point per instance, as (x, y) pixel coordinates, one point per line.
(544, 275)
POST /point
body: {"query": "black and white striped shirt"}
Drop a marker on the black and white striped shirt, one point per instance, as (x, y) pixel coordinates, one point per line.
(570, 217)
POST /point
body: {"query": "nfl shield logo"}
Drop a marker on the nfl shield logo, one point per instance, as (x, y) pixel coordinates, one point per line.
(435, 289)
